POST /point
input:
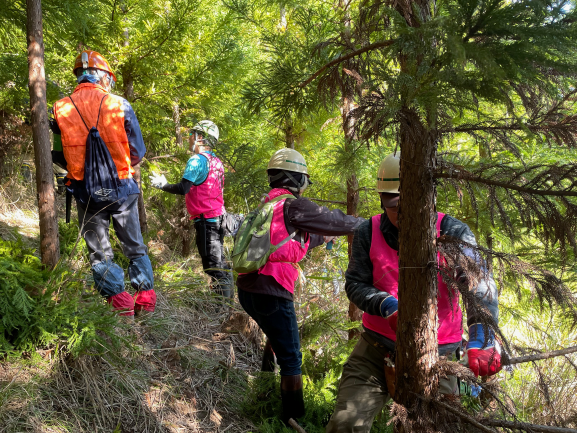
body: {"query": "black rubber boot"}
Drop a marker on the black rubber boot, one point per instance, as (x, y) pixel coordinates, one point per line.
(291, 392)
(268, 358)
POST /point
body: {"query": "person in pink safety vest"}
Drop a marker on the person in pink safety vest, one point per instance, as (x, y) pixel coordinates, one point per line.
(202, 185)
(267, 294)
(372, 285)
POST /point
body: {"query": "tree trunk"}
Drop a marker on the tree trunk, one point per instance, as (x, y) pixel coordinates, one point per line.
(129, 96)
(355, 313)
(176, 118)
(49, 243)
(416, 345)
(141, 209)
(187, 230)
(288, 133)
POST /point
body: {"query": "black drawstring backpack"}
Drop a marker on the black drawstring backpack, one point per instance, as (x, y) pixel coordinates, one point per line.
(100, 174)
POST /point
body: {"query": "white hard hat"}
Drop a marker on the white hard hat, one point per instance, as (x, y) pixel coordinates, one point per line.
(208, 129)
(288, 159)
(388, 175)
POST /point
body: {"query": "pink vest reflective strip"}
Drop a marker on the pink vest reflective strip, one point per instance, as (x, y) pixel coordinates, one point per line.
(386, 278)
(207, 198)
(281, 264)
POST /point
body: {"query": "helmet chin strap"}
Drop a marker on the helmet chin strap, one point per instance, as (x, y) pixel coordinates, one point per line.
(299, 186)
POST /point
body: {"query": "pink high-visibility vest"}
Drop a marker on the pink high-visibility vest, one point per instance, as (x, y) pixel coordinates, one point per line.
(386, 278)
(207, 198)
(281, 264)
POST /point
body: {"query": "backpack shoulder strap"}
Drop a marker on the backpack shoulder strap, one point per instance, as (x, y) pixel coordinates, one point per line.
(293, 234)
(280, 197)
(83, 121)
(99, 108)
(72, 100)
(285, 240)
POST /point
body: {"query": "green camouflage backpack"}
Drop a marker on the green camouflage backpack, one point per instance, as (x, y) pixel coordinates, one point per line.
(252, 245)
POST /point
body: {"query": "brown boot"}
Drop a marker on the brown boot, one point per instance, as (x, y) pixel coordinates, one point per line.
(291, 392)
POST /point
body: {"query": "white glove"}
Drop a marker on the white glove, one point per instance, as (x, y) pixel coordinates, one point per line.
(158, 180)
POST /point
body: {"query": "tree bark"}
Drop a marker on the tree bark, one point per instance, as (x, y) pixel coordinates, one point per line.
(129, 96)
(355, 313)
(49, 242)
(540, 356)
(187, 227)
(176, 118)
(141, 210)
(522, 426)
(416, 345)
(288, 133)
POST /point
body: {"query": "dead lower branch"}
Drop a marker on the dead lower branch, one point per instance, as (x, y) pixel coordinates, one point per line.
(526, 426)
(161, 157)
(463, 175)
(540, 356)
(346, 57)
(465, 417)
(295, 426)
(344, 203)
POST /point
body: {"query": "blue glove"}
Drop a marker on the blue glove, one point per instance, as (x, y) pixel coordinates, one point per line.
(482, 355)
(389, 310)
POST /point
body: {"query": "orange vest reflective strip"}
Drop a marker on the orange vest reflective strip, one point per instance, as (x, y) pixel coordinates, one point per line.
(87, 97)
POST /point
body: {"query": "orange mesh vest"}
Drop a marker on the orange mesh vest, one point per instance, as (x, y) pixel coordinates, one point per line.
(87, 98)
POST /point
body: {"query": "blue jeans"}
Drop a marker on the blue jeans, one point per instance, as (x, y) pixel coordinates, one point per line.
(277, 319)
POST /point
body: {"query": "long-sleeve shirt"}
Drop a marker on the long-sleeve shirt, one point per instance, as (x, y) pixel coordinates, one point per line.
(312, 221)
(359, 276)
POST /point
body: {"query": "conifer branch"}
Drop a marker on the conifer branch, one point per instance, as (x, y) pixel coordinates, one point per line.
(345, 57)
(540, 356)
(462, 175)
(525, 426)
(464, 416)
(344, 203)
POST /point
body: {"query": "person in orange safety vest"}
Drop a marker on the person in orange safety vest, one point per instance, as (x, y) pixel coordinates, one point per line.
(92, 104)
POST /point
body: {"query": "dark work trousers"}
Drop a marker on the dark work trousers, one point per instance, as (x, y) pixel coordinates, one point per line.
(278, 320)
(95, 223)
(209, 241)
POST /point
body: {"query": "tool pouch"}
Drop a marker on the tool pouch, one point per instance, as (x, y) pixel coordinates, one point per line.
(390, 375)
(388, 362)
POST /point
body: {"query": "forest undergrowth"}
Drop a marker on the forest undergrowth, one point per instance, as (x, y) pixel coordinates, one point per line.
(71, 365)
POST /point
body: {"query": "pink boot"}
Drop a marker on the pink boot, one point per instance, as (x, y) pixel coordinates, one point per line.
(123, 302)
(145, 300)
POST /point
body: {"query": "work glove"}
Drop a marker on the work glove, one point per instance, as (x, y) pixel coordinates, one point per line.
(390, 311)
(330, 241)
(158, 180)
(482, 355)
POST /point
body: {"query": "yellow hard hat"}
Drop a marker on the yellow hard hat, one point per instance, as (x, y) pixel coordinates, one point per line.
(288, 159)
(388, 175)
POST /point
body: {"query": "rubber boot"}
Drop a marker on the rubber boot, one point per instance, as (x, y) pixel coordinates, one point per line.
(123, 302)
(224, 290)
(291, 392)
(268, 358)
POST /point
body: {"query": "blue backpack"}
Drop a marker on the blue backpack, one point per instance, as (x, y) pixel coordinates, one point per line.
(100, 174)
